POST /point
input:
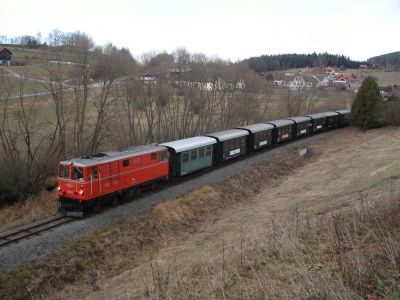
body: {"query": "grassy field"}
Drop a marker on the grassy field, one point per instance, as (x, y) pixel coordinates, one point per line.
(383, 77)
(38, 56)
(325, 227)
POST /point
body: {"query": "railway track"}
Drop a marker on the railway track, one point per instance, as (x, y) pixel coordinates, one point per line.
(33, 228)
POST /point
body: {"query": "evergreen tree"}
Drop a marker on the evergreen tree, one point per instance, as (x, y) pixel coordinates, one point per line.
(366, 105)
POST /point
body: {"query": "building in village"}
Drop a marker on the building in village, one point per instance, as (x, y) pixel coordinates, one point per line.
(5, 57)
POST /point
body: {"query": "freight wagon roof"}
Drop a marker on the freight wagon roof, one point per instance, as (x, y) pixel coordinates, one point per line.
(109, 156)
(330, 113)
(317, 116)
(281, 122)
(300, 119)
(190, 143)
(343, 111)
(228, 134)
(257, 127)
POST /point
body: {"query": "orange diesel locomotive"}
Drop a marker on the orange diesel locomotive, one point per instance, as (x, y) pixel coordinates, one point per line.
(90, 180)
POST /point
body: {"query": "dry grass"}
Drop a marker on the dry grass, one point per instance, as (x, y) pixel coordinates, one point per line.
(34, 208)
(384, 77)
(260, 234)
(115, 249)
(341, 255)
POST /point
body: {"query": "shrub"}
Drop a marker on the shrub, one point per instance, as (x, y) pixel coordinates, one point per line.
(366, 106)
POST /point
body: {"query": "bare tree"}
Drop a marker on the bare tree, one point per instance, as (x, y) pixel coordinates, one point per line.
(111, 67)
(301, 101)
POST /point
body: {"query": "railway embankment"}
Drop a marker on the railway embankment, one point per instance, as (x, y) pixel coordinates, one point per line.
(324, 226)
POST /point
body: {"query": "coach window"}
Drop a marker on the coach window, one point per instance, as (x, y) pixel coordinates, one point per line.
(193, 154)
(94, 173)
(154, 156)
(201, 152)
(77, 174)
(185, 157)
(208, 150)
(64, 172)
(125, 163)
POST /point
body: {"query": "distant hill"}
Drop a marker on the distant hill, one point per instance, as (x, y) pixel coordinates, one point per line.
(389, 60)
(265, 63)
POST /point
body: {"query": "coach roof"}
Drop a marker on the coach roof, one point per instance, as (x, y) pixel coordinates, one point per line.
(228, 134)
(300, 119)
(317, 116)
(189, 143)
(343, 111)
(257, 127)
(281, 122)
(330, 113)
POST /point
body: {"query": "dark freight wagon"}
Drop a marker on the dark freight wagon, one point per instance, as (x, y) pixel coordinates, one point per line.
(190, 155)
(318, 122)
(260, 136)
(230, 144)
(283, 130)
(344, 117)
(302, 126)
(332, 119)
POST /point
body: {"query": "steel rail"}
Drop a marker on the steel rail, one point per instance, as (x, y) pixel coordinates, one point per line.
(33, 228)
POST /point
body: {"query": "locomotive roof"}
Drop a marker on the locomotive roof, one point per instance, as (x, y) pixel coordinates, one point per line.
(281, 122)
(257, 127)
(343, 111)
(300, 119)
(190, 143)
(109, 156)
(228, 134)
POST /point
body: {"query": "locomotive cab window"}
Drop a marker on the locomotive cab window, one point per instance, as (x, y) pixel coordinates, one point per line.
(163, 155)
(77, 174)
(154, 156)
(64, 172)
(93, 173)
(125, 163)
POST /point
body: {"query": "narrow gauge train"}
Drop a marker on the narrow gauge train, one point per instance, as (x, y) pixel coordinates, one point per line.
(92, 180)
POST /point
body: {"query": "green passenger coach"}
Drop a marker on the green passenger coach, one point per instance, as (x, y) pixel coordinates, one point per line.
(190, 155)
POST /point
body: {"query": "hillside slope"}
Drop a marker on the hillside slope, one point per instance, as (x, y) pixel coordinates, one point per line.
(323, 227)
(389, 60)
(203, 262)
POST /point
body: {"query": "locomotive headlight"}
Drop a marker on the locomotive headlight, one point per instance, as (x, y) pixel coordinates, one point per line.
(80, 192)
(58, 188)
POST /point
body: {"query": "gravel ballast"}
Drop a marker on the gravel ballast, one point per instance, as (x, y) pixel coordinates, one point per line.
(37, 247)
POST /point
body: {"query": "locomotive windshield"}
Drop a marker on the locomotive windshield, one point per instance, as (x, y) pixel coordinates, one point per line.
(77, 173)
(64, 172)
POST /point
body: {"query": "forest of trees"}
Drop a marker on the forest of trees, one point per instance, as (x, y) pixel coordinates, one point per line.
(389, 60)
(265, 63)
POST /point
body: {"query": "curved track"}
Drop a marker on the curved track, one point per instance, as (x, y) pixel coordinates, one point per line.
(33, 228)
(39, 245)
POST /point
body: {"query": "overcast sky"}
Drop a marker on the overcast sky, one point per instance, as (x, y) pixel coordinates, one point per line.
(230, 29)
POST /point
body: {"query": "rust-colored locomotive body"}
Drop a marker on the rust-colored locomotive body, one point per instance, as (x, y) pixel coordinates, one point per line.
(90, 180)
